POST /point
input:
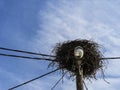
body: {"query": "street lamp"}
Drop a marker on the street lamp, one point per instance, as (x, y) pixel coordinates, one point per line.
(78, 52)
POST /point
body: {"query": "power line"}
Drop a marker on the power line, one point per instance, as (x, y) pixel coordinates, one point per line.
(48, 59)
(33, 79)
(27, 52)
(58, 81)
(26, 57)
(111, 58)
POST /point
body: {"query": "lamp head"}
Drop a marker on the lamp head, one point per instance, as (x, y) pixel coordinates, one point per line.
(78, 52)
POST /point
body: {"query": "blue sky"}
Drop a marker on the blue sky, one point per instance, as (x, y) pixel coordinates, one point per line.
(37, 25)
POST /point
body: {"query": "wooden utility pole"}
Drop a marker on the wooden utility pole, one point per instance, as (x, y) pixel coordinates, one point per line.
(79, 76)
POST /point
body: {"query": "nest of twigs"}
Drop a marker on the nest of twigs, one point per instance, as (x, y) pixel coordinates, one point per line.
(91, 61)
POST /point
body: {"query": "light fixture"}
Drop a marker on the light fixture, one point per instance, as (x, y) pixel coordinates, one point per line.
(78, 52)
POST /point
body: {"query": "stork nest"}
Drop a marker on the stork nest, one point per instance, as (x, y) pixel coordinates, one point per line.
(91, 61)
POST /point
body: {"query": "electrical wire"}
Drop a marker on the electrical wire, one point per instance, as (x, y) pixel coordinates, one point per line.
(11, 55)
(111, 58)
(33, 79)
(26, 57)
(85, 85)
(58, 81)
(48, 59)
(27, 52)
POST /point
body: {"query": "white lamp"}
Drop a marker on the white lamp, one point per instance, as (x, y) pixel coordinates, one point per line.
(78, 52)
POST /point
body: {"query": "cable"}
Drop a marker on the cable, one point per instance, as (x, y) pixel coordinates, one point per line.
(14, 50)
(111, 58)
(58, 81)
(10, 55)
(33, 79)
(22, 51)
(85, 85)
(17, 56)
